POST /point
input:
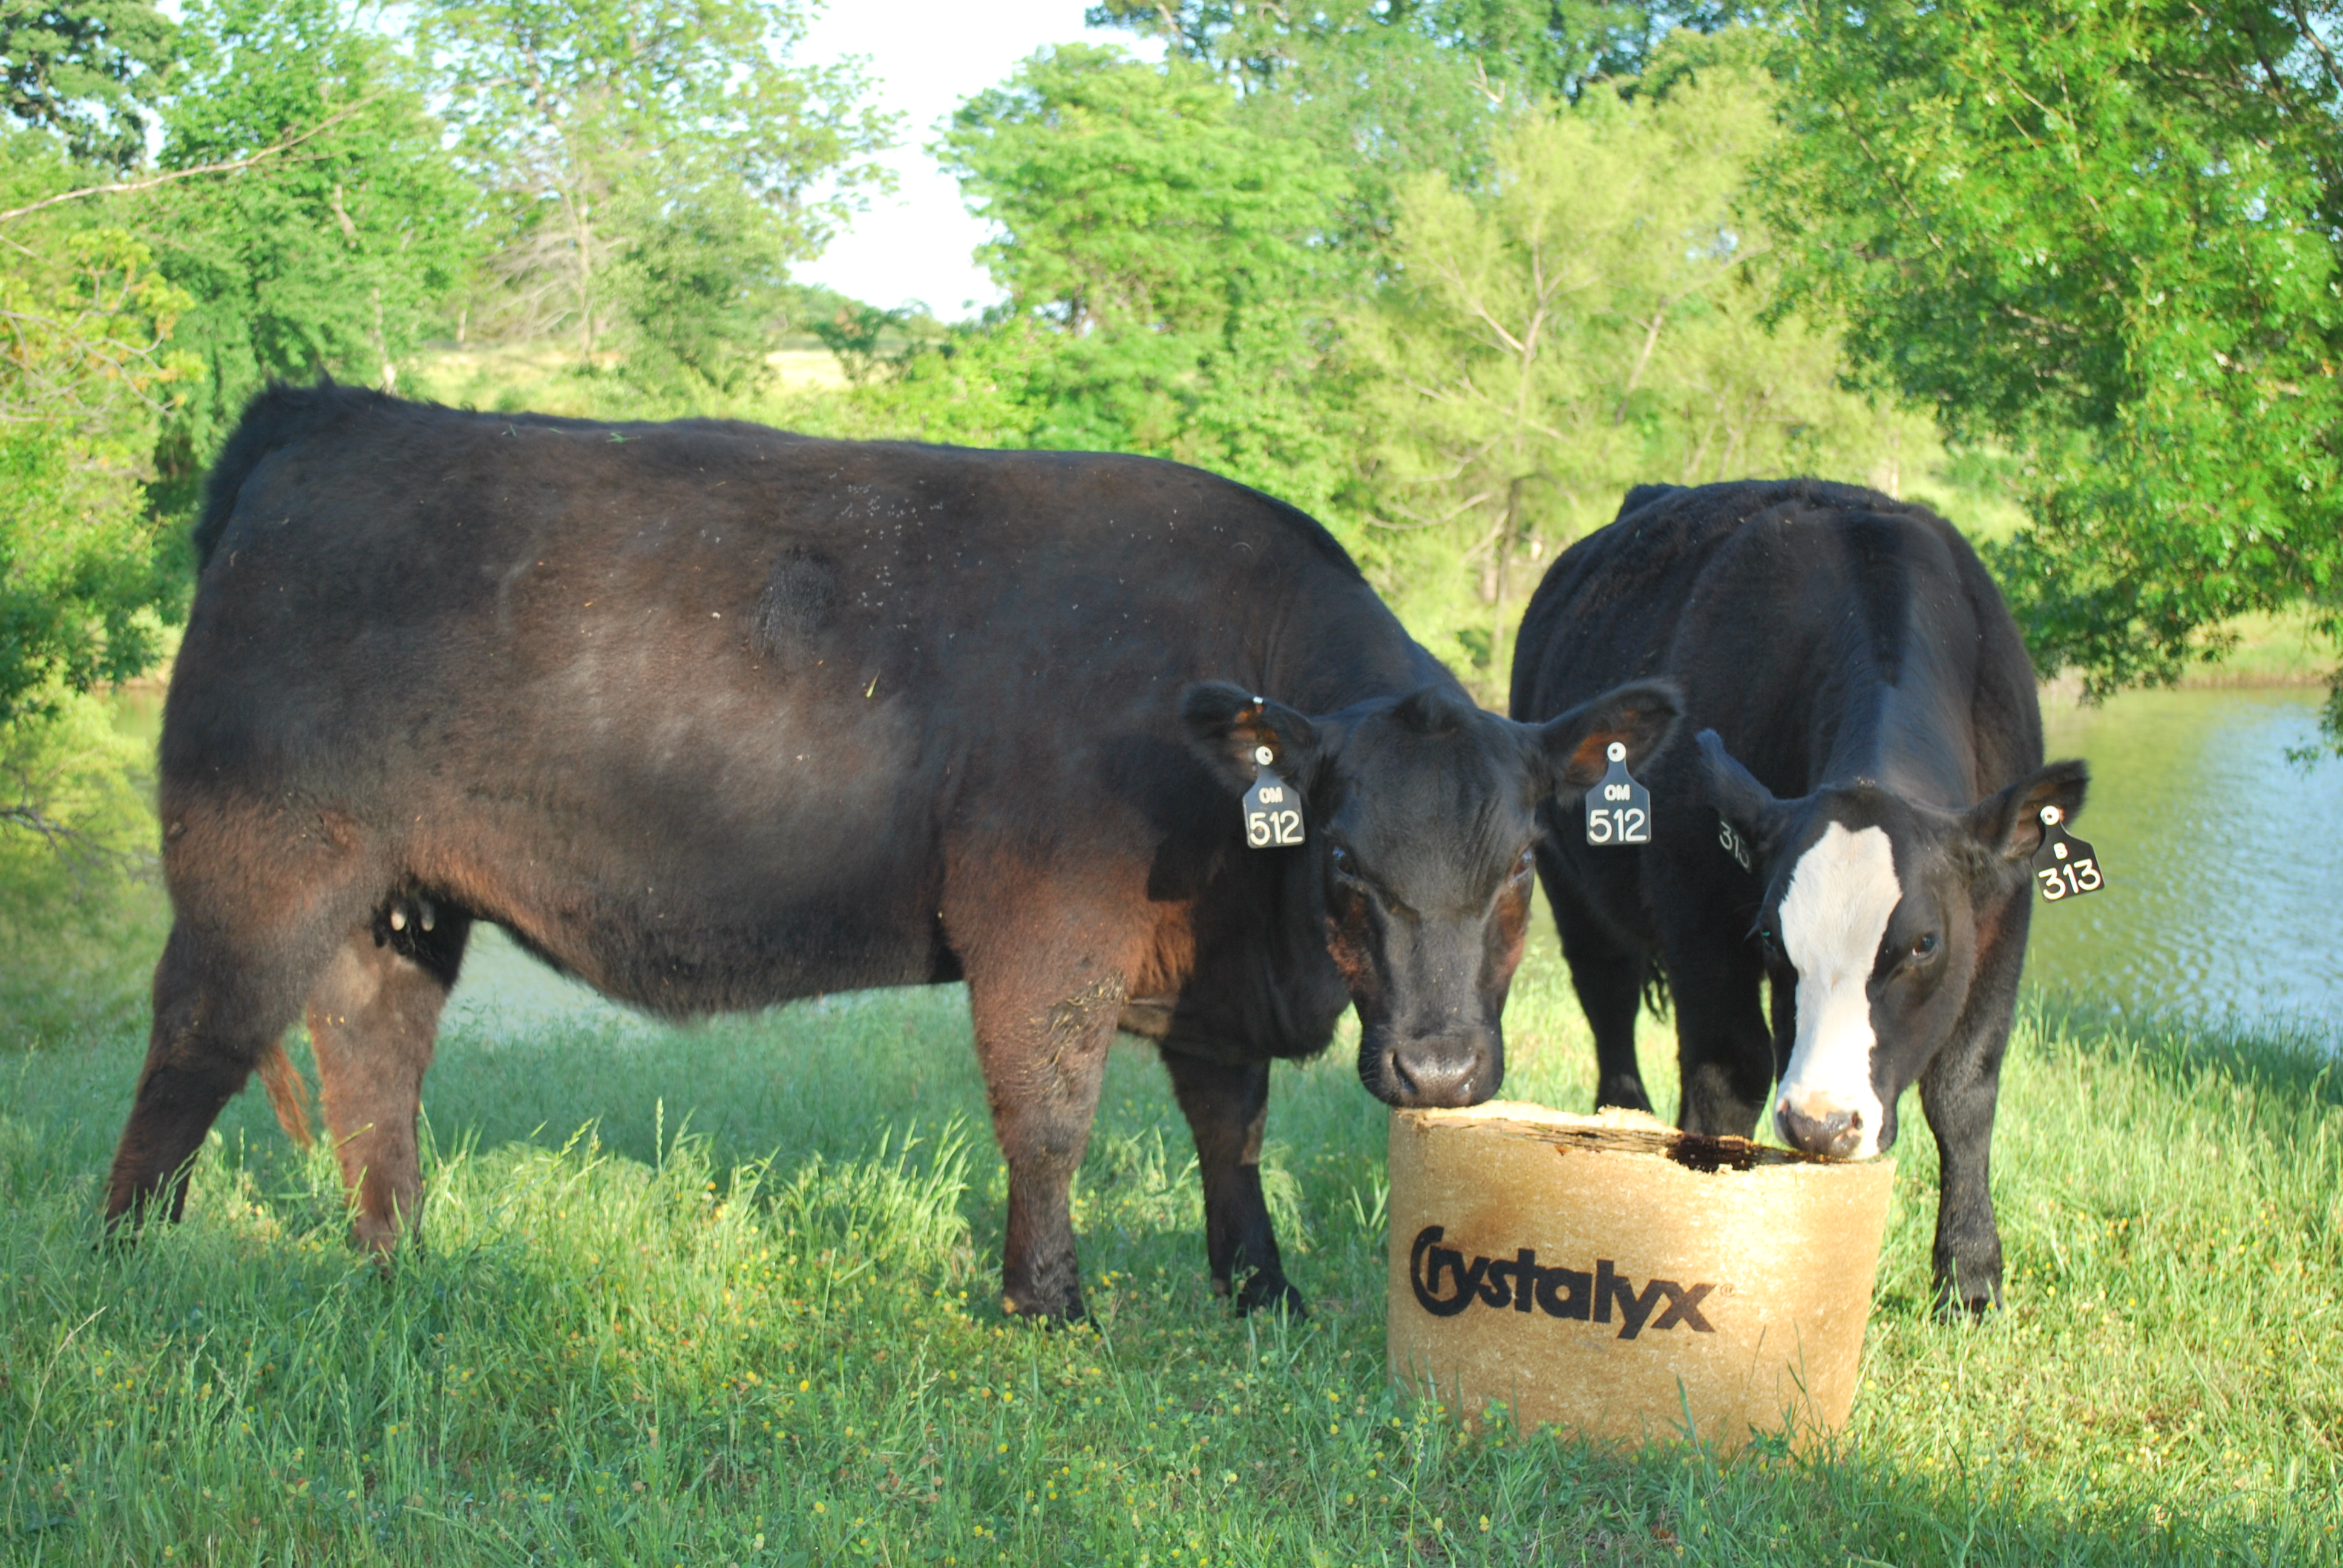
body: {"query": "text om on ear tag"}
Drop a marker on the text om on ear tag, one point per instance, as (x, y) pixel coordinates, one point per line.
(1618, 810)
(2065, 867)
(1272, 807)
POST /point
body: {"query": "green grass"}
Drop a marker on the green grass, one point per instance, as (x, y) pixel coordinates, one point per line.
(726, 1295)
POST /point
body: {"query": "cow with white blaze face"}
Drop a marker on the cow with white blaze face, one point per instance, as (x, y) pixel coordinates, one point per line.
(1850, 830)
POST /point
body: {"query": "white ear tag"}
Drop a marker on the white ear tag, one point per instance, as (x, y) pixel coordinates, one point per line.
(1272, 807)
(2065, 867)
(1618, 810)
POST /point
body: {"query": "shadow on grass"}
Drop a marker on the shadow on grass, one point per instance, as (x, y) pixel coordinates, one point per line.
(597, 1359)
(752, 1301)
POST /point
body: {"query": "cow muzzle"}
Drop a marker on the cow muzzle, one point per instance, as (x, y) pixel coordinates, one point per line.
(1846, 1135)
(1429, 1074)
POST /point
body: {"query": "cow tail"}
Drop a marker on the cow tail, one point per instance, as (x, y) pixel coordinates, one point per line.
(288, 1093)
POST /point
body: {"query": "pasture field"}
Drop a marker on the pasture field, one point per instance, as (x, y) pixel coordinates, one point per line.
(725, 1294)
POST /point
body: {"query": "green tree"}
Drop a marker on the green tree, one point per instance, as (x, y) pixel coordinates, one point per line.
(331, 253)
(1593, 317)
(1170, 289)
(1395, 88)
(1536, 49)
(88, 575)
(88, 74)
(84, 376)
(2107, 233)
(655, 166)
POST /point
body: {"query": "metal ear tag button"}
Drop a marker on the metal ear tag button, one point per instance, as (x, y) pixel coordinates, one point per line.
(1618, 810)
(2065, 866)
(1272, 807)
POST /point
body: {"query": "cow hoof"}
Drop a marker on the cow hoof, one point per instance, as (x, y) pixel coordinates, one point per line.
(1622, 1094)
(1068, 1309)
(1965, 1306)
(1267, 1291)
(126, 1222)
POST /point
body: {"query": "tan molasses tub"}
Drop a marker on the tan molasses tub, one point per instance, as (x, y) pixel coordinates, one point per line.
(1625, 1280)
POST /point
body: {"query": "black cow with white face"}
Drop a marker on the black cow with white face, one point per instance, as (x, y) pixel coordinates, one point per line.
(712, 717)
(1852, 826)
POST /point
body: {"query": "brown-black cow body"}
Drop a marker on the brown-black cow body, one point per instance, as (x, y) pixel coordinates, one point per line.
(712, 717)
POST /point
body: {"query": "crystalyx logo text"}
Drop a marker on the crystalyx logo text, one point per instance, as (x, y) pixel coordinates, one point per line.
(1445, 1285)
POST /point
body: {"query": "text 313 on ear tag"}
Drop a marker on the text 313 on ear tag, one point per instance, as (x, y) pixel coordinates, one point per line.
(1618, 810)
(2065, 867)
(1272, 807)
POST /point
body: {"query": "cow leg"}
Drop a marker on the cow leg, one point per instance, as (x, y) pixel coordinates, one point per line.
(1227, 1106)
(374, 1017)
(1041, 1037)
(1609, 978)
(224, 996)
(1960, 1091)
(1725, 1053)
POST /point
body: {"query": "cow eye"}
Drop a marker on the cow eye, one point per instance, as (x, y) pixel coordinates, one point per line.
(1525, 865)
(1923, 946)
(1770, 945)
(1340, 859)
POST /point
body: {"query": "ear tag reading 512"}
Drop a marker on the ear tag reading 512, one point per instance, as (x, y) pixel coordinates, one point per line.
(1272, 807)
(2065, 866)
(1618, 810)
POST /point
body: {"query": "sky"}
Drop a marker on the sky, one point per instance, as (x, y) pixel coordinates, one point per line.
(928, 55)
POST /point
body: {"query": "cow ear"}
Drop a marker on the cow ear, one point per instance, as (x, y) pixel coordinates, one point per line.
(1640, 717)
(1227, 725)
(2007, 825)
(1734, 791)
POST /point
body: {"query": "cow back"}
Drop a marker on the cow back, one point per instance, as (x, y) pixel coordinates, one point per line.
(705, 711)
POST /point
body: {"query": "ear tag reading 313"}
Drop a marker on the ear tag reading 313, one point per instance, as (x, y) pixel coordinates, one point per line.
(1272, 807)
(1618, 810)
(2065, 867)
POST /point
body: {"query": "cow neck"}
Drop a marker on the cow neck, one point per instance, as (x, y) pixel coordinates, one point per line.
(1911, 740)
(1331, 647)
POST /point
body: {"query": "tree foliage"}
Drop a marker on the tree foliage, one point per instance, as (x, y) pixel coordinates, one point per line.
(1595, 316)
(1170, 289)
(2107, 232)
(331, 257)
(88, 72)
(1538, 50)
(89, 576)
(84, 373)
(653, 166)
(1396, 88)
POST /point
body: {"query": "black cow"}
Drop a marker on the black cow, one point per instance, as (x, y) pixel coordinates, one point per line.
(1870, 858)
(712, 717)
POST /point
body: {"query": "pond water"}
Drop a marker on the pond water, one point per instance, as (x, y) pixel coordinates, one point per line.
(2224, 864)
(504, 992)
(2224, 860)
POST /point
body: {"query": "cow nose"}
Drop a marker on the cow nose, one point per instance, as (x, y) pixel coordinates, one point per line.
(1839, 1132)
(1442, 1074)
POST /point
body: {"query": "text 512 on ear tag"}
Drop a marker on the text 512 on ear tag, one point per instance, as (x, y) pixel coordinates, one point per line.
(2065, 867)
(1618, 810)
(1272, 807)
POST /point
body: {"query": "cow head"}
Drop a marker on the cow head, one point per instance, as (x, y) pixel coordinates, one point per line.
(1878, 910)
(1422, 814)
